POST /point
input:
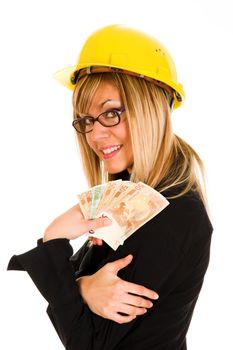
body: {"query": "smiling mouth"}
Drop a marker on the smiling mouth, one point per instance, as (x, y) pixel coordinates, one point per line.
(109, 152)
(110, 149)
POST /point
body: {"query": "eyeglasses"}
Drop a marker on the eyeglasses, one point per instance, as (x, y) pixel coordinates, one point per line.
(107, 119)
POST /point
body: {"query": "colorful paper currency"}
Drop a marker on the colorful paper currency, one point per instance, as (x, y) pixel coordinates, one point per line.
(129, 205)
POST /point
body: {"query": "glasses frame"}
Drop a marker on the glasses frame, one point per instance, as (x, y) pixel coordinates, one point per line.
(96, 119)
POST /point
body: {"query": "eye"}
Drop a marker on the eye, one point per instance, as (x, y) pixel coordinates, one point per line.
(87, 121)
(111, 114)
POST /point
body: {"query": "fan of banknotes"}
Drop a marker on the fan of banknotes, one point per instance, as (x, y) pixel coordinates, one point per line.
(127, 204)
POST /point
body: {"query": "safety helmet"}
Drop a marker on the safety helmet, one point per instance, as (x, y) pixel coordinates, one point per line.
(117, 48)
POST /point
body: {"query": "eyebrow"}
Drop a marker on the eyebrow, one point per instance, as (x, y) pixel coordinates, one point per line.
(103, 103)
(109, 100)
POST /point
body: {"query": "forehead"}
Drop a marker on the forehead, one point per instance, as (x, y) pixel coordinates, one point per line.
(106, 94)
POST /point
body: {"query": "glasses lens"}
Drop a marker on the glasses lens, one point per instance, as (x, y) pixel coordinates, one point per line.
(83, 125)
(110, 118)
(88, 123)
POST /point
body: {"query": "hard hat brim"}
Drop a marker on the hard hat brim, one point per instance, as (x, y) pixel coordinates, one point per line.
(65, 75)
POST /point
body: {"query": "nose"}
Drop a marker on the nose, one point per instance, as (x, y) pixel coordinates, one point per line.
(99, 131)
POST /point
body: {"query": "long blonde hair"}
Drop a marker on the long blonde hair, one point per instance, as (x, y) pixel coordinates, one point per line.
(162, 159)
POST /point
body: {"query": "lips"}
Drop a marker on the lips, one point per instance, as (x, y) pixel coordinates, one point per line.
(110, 151)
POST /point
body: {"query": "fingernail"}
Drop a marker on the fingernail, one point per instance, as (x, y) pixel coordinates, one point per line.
(156, 296)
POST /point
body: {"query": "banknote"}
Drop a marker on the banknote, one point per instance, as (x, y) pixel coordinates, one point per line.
(84, 206)
(138, 209)
(90, 199)
(96, 196)
(124, 189)
(108, 195)
(130, 213)
(129, 205)
(120, 191)
(112, 235)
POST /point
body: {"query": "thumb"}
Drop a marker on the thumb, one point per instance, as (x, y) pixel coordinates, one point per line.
(98, 223)
(119, 264)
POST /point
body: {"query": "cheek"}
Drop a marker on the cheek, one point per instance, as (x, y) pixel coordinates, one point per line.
(89, 142)
(122, 131)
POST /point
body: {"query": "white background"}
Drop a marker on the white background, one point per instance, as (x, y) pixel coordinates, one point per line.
(40, 169)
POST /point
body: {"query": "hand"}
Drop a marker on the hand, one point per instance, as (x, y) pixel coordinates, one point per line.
(106, 294)
(95, 241)
(72, 224)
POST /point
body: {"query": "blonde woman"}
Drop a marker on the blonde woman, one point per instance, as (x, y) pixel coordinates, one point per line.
(142, 295)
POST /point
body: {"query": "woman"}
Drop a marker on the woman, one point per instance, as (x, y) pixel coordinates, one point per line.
(125, 87)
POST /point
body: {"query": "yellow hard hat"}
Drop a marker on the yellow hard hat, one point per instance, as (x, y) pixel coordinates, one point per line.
(118, 48)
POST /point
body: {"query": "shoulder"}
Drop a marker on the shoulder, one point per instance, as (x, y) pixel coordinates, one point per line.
(185, 218)
(185, 209)
(181, 225)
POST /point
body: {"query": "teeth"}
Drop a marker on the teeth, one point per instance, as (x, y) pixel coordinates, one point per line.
(110, 150)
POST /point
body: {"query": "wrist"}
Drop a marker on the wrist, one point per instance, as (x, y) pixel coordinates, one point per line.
(82, 283)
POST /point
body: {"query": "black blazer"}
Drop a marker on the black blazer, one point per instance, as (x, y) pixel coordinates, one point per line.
(171, 255)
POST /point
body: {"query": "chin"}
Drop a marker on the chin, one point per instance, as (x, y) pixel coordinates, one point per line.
(115, 169)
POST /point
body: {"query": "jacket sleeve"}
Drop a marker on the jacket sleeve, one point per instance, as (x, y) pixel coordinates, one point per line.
(53, 273)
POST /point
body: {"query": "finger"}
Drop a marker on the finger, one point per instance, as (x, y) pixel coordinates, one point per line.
(137, 301)
(131, 310)
(97, 223)
(119, 264)
(95, 241)
(122, 319)
(139, 290)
